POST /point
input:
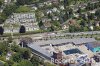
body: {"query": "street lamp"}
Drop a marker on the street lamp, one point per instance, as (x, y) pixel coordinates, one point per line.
(91, 27)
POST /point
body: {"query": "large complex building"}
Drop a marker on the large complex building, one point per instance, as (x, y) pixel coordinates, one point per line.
(63, 50)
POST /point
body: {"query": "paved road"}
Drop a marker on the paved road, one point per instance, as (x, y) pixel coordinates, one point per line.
(78, 33)
(53, 34)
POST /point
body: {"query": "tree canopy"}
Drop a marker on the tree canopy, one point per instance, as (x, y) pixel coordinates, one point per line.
(16, 57)
(25, 63)
(23, 9)
(9, 9)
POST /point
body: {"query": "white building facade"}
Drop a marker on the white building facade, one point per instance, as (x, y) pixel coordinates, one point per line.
(26, 19)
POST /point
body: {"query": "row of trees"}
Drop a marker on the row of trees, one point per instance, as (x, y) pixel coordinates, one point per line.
(22, 30)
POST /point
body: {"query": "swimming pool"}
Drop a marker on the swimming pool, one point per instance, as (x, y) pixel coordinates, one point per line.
(72, 51)
(97, 49)
(93, 47)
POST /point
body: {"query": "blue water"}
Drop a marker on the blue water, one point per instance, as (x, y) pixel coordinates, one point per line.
(72, 51)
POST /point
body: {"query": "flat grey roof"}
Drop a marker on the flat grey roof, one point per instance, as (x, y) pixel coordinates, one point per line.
(40, 51)
(94, 44)
(76, 41)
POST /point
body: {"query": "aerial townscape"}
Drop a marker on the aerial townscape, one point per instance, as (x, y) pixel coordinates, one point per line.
(49, 32)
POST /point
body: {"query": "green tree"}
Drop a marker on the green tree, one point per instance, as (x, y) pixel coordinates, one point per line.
(16, 57)
(15, 48)
(23, 9)
(71, 28)
(26, 54)
(15, 64)
(9, 9)
(25, 63)
(4, 47)
(9, 63)
(86, 29)
(89, 6)
(49, 64)
(2, 18)
(50, 29)
(6, 64)
(82, 23)
(74, 28)
(56, 25)
(90, 16)
(36, 61)
(10, 39)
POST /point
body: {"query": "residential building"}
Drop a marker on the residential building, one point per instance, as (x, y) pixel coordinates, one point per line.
(26, 19)
(46, 23)
(21, 18)
(65, 26)
(63, 49)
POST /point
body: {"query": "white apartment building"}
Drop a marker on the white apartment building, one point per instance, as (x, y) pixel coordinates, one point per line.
(26, 19)
(21, 18)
